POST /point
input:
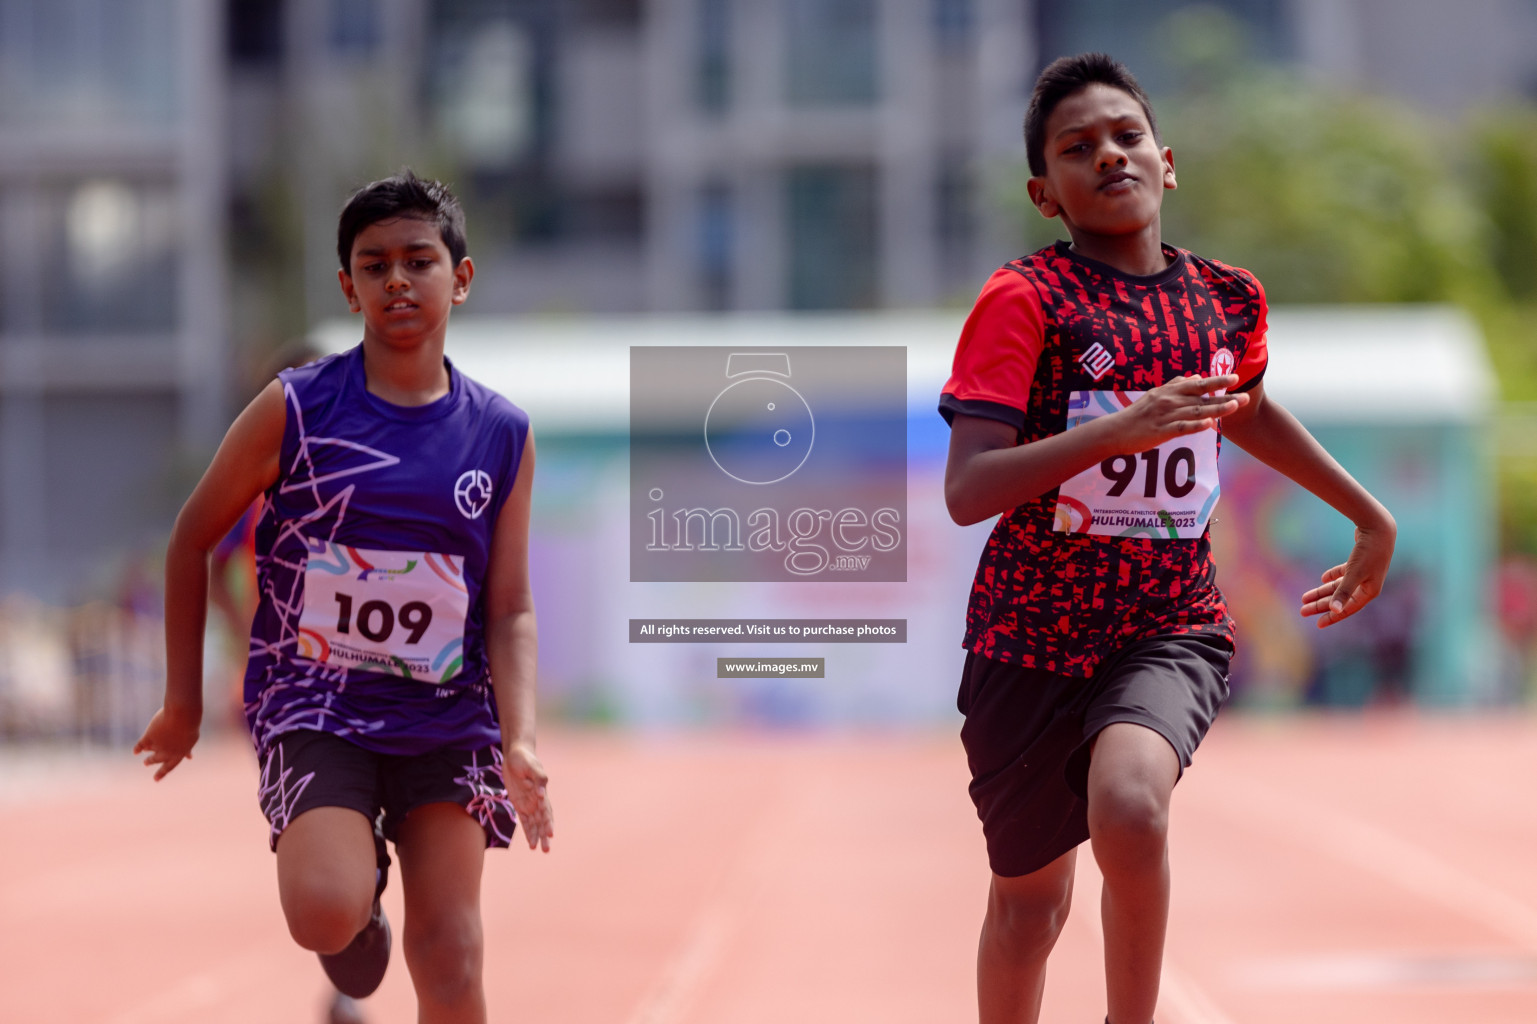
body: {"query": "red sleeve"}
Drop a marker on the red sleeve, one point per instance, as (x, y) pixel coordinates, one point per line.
(1256, 352)
(996, 356)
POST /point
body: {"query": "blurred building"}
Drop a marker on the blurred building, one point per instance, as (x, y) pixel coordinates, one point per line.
(112, 341)
(1443, 56)
(622, 156)
(170, 172)
(628, 155)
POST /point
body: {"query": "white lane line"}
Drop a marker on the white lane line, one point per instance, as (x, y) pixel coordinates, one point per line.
(1391, 971)
(1382, 854)
(672, 998)
(1180, 999)
(723, 915)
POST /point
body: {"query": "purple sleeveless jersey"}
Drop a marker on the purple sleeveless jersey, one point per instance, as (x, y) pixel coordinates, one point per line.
(371, 552)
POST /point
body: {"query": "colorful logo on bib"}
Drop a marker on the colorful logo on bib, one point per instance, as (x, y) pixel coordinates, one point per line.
(1073, 516)
(472, 493)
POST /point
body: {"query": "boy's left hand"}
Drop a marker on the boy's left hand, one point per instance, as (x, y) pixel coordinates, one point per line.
(527, 786)
(1347, 588)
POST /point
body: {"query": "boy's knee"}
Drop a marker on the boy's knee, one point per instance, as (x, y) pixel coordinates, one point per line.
(1028, 920)
(445, 957)
(1129, 822)
(323, 920)
(326, 877)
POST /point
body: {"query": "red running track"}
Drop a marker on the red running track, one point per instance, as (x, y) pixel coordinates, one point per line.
(1326, 870)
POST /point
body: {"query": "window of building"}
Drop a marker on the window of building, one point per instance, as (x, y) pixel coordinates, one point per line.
(831, 215)
(712, 66)
(954, 216)
(953, 21)
(97, 452)
(605, 215)
(109, 251)
(1139, 34)
(253, 31)
(488, 97)
(608, 13)
(352, 26)
(491, 78)
(88, 63)
(831, 52)
(953, 206)
(716, 240)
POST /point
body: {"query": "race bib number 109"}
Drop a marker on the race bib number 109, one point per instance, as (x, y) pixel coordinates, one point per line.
(396, 612)
(1166, 493)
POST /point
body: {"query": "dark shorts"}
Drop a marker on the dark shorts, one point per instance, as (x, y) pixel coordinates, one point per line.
(307, 769)
(1028, 733)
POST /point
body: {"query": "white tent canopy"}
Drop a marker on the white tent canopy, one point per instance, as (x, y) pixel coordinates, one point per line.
(1379, 364)
(1355, 364)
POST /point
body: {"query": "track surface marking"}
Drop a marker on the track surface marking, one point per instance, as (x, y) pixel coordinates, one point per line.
(1325, 870)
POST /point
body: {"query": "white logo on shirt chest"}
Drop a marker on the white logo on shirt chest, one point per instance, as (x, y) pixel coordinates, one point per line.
(1096, 361)
(1222, 363)
(472, 493)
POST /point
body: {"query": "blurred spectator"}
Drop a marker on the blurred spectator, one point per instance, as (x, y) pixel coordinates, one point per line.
(1515, 590)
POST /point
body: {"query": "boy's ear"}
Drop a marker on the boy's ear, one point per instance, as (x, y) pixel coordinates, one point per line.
(349, 291)
(1040, 195)
(1168, 169)
(464, 273)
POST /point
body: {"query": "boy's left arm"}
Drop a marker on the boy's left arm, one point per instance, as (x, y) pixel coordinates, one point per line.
(512, 650)
(1268, 432)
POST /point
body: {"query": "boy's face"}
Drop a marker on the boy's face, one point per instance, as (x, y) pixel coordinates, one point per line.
(1105, 172)
(402, 279)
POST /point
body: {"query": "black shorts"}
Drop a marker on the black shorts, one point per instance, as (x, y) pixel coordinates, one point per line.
(305, 769)
(1028, 733)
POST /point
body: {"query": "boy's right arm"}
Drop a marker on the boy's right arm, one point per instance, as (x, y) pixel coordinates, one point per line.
(988, 473)
(245, 465)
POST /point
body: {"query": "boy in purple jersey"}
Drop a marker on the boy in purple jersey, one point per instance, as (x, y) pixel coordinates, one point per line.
(1092, 387)
(390, 687)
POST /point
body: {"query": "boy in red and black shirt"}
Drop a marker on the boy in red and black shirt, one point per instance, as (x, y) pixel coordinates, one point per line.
(1092, 388)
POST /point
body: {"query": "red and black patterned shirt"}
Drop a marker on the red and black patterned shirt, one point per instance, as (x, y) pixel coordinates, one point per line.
(1055, 323)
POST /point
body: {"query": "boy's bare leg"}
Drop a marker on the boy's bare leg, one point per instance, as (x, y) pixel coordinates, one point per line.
(441, 852)
(1024, 917)
(326, 876)
(1131, 777)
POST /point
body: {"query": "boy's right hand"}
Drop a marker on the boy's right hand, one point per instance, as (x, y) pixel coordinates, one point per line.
(168, 739)
(1183, 405)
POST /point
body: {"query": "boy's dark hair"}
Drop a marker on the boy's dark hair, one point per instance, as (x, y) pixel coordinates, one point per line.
(402, 195)
(1062, 78)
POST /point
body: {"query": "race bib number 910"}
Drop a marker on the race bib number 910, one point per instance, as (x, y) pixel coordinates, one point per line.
(396, 612)
(1166, 492)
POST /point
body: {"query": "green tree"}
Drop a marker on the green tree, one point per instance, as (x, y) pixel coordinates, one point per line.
(1326, 196)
